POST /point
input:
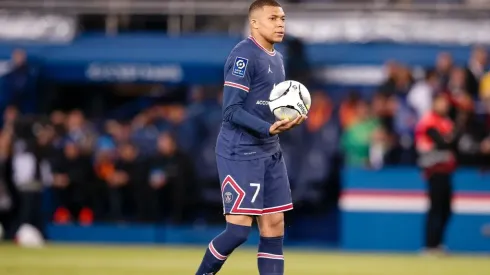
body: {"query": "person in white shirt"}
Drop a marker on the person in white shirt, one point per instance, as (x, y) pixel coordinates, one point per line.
(420, 96)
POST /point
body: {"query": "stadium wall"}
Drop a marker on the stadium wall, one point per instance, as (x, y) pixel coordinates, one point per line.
(379, 211)
(193, 59)
(390, 206)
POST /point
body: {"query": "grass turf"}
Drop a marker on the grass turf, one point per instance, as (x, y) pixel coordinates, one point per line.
(122, 260)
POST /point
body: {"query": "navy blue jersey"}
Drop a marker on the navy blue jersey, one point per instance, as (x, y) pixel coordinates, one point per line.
(251, 72)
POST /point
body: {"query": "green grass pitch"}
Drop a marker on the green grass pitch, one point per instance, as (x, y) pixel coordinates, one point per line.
(159, 260)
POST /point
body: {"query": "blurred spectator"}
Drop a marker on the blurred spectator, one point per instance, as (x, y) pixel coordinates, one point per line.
(171, 182)
(436, 137)
(404, 124)
(475, 70)
(144, 133)
(420, 96)
(461, 101)
(348, 110)
(457, 81)
(484, 89)
(356, 140)
(104, 169)
(72, 185)
(10, 115)
(57, 120)
(382, 151)
(79, 131)
(399, 80)
(128, 175)
(444, 66)
(389, 85)
(29, 175)
(384, 108)
(20, 82)
(473, 131)
(403, 81)
(176, 121)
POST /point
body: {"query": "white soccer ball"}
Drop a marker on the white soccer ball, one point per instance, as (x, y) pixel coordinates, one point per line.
(29, 236)
(289, 99)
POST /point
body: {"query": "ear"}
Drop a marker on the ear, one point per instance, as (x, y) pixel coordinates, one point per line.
(253, 23)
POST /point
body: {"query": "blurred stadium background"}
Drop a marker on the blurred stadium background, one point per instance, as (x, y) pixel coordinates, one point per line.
(111, 110)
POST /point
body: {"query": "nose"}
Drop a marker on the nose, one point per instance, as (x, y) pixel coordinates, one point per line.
(280, 23)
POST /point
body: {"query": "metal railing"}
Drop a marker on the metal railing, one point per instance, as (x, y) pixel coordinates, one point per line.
(220, 7)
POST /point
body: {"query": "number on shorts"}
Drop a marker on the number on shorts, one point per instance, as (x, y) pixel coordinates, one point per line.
(257, 189)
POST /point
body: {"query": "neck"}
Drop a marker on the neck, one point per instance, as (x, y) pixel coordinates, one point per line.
(263, 42)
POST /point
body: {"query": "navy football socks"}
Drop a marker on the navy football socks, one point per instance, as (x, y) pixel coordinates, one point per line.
(270, 258)
(221, 247)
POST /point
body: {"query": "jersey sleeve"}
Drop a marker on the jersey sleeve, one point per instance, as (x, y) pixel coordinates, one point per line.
(239, 72)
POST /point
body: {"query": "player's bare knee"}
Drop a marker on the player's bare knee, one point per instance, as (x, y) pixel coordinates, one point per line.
(271, 225)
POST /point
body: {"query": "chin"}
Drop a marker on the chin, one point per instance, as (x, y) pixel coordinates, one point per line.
(277, 39)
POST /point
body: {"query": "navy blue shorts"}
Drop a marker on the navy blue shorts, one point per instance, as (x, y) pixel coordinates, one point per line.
(254, 187)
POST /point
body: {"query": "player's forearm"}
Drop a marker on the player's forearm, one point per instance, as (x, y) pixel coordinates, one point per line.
(237, 115)
(233, 100)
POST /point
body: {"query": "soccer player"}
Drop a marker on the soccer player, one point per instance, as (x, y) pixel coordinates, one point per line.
(254, 181)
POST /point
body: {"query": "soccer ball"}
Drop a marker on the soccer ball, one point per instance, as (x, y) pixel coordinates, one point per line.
(289, 99)
(28, 236)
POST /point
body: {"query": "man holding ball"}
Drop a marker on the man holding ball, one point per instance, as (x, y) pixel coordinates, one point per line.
(252, 171)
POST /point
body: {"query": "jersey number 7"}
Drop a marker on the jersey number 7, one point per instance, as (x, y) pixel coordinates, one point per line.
(257, 189)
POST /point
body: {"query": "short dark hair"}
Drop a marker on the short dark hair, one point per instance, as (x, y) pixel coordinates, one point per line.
(259, 4)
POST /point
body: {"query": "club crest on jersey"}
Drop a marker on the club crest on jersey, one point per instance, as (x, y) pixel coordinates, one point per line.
(240, 66)
(228, 197)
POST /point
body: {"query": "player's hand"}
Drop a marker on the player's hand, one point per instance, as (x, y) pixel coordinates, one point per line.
(285, 124)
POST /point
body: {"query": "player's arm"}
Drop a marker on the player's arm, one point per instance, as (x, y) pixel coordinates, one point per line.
(233, 99)
(440, 142)
(239, 73)
(233, 112)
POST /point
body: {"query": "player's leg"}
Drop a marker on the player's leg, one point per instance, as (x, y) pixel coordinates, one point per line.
(270, 257)
(277, 200)
(240, 203)
(236, 233)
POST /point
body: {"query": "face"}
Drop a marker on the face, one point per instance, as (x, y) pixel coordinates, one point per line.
(71, 151)
(57, 118)
(166, 144)
(480, 55)
(75, 120)
(441, 105)
(10, 114)
(176, 114)
(270, 22)
(18, 57)
(362, 110)
(127, 152)
(444, 61)
(458, 77)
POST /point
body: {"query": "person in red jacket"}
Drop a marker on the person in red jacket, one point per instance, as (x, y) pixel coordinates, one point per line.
(435, 139)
